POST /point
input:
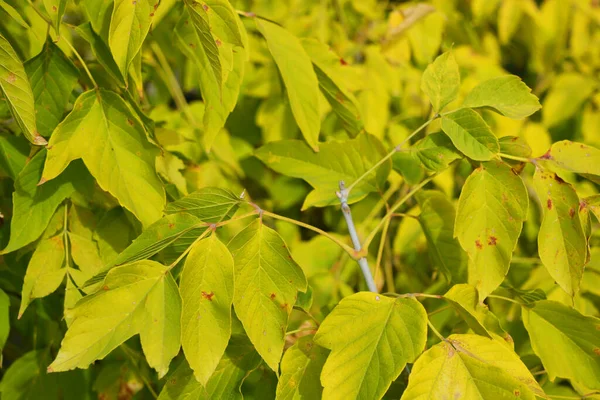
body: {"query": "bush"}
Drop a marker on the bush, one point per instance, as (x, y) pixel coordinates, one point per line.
(299, 199)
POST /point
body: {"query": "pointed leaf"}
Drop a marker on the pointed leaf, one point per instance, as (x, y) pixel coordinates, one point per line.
(16, 90)
(53, 77)
(471, 367)
(129, 25)
(267, 282)
(575, 157)
(470, 134)
(33, 205)
(561, 241)
(45, 271)
(55, 9)
(507, 95)
(298, 76)
(206, 289)
(437, 220)
(136, 298)
(435, 152)
(441, 81)
(328, 67)
(491, 209)
(239, 360)
(300, 370)
(118, 155)
(210, 204)
(336, 161)
(223, 21)
(371, 338)
(567, 342)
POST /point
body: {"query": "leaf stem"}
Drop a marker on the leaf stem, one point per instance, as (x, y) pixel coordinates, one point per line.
(494, 296)
(522, 159)
(343, 245)
(381, 246)
(314, 328)
(83, 64)
(435, 331)
(393, 209)
(186, 251)
(391, 153)
(362, 261)
(430, 296)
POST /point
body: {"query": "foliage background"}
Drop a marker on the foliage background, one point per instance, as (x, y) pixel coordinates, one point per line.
(552, 45)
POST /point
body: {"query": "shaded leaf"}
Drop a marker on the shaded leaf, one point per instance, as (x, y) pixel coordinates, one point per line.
(101, 51)
(435, 152)
(470, 134)
(267, 282)
(441, 81)
(371, 338)
(13, 155)
(210, 204)
(56, 10)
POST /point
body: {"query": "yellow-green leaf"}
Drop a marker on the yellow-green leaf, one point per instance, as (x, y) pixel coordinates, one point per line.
(506, 94)
(491, 209)
(16, 89)
(471, 367)
(371, 338)
(298, 76)
(566, 341)
(56, 10)
(441, 81)
(470, 134)
(267, 282)
(435, 152)
(574, 157)
(103, 131)
(566, 96)
(206, 289)
(561, 241)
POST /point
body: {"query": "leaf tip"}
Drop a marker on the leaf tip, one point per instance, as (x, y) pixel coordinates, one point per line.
(42, 181)
(39, 140)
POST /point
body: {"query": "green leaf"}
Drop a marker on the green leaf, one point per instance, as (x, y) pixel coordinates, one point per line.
(471, 367)
(16, 90)
(566, 97)
(507, 95)
(33, 205)
(223, 21)
(527, 297)
(298, 76)
(300, 370)
(53, 77)
(101, 51)
(437, 220)
(561, 241)
(328, 68)
(14, 14)
(4, 321)
(435, 152)
(491, 209)
(593, 203)
(206, 289)
(567, 342)
(129, 25)
(239, 360)
(409, 167)
(45, 272)
(371, 338)
(575, 157)
(470, 134)
(514, 146)
(13, 155)
(465, 300)
(136, 298)
(336, 161)
(220, 98)
(441, 81)
(55, 9)
(267, 282)
(210, 204)
(118, 155)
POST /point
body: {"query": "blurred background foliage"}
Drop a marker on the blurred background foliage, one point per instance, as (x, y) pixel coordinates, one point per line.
(383, 49)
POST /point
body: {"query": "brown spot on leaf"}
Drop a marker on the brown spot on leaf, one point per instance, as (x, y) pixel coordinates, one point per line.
(284, 306)
(597, 351)
(549, 204)
(517, 392)
(54, 9)
(151, 14)
(208, 295)
(492, 240)
(339, 96)
(582, 205)
(343, 62)
(105, 287)
(272, 296)
(171, 225)
(514, 171)
(205, 7)
(130, 122)
(478, 244)
(558, 179)
(547, 156)
(571, 212)
(12, 78)
(192, 45)
(218, 42)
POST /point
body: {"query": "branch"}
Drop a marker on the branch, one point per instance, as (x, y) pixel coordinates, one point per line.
(362, 262)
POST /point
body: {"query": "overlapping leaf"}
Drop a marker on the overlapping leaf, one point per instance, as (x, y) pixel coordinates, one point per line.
(491, 209)
(441, 81)
(435, 152)
(574, 157)
(470, 134)
(371, 338)
(267, 282)
(117, 152)
(561, 242)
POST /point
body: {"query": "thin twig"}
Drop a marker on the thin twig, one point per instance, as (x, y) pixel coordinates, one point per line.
(494, 296)
(435, 331)
(522, 159)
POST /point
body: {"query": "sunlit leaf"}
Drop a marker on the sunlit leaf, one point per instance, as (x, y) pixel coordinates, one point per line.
(441, 81)
(435, 152)
(561, 241)
(371, 338)
(574, 157)
(56, 10)
(470, 134)
(492, 207)
(267, 282)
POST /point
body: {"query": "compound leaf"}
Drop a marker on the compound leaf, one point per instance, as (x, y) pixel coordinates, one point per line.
(371, 338)
(267, 282)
